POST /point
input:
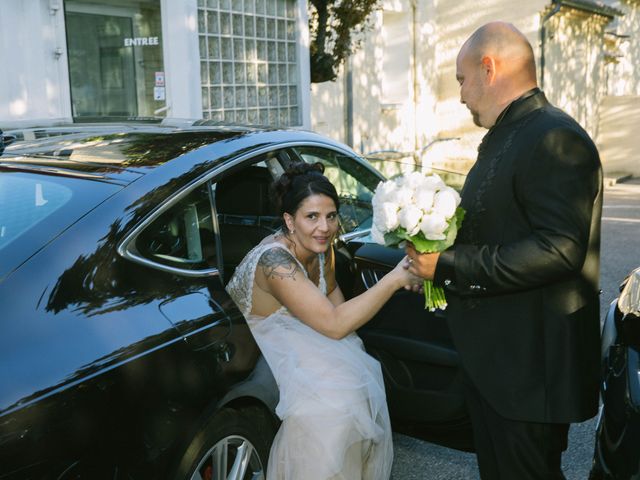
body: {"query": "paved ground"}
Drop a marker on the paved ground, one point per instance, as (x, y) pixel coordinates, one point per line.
(415, 459)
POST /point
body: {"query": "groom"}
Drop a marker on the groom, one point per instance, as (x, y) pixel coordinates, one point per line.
(522, 277)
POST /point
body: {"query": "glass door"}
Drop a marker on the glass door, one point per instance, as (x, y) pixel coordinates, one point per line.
(116, 68)
(101, 69)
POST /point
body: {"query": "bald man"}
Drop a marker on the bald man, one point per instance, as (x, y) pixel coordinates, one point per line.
(522, 277)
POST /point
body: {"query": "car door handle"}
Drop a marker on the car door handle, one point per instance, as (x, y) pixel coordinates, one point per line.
(222, 350)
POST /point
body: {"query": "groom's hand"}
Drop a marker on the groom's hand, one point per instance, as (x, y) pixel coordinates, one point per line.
(421, 264)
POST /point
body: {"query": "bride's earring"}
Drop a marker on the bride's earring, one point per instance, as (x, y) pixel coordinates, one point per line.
(287, 223)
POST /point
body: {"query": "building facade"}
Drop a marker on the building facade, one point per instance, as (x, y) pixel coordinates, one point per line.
(398, 95)
(234, 61)
(619, 114)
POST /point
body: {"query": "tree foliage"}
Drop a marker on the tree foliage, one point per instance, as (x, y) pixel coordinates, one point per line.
(332, 26)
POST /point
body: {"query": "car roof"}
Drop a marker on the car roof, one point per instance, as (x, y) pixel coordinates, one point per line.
(120, 153)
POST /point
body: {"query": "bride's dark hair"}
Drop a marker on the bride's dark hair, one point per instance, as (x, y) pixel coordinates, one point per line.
(298, 182)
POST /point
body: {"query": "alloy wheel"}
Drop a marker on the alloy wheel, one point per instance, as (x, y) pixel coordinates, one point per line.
(232, 458)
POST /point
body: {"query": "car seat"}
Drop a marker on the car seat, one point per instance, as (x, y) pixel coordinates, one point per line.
(245, 214)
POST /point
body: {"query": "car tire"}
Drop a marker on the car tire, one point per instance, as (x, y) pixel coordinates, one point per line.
(597, 472)
(233, 444)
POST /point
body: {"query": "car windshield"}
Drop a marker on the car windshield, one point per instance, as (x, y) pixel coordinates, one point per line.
(35, 208)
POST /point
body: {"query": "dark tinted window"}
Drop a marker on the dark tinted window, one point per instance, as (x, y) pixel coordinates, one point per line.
(183, 236)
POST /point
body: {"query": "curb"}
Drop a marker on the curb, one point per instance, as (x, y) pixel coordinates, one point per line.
(610, 181)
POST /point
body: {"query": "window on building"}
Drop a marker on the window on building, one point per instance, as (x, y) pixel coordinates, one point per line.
(249, 65)
(115, 59)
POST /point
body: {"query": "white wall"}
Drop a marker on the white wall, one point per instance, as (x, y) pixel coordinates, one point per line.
(34, 87)
(408, 110)
(393, 96)
(303, 64)
(624, 78)
(619, 113)
(618, 140)
(456, 22)
(327, 114)
(411, 103)
(575, 74)
(181, 58)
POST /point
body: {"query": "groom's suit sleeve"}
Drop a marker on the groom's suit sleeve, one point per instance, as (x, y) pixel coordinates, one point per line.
(556, 186)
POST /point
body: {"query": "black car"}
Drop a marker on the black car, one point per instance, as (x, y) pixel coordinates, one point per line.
(121, 354)
(617, 450)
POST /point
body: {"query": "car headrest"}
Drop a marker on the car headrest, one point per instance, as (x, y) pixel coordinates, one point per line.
(245, 193)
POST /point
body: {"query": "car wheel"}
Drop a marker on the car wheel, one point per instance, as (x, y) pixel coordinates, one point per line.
(597, 472)
(232, 445)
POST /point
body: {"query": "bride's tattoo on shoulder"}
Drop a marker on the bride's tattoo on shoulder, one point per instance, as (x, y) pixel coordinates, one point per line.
(276, 263)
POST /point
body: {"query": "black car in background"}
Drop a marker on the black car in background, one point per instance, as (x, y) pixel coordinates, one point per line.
(617, 450)
(121, 354)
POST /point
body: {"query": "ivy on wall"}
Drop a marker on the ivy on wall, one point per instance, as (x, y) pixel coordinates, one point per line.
(333, 24)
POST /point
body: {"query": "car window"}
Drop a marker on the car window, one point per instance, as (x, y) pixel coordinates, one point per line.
(35, 208)
(354, 183)
(183, 236)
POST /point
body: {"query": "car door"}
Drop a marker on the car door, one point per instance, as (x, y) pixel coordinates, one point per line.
(413, 345)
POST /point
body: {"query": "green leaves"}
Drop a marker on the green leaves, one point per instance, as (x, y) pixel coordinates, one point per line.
(334, 26)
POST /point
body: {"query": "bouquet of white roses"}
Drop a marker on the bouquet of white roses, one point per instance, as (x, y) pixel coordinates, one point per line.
(422, 209)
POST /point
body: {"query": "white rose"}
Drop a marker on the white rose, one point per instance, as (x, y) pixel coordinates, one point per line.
(376, 235)
(433, 226)
(410, 216)
(446, 201)
(434, 182)
(403, 196)
(384, 192)
(413, 180)
(385, 217)
(424, 199)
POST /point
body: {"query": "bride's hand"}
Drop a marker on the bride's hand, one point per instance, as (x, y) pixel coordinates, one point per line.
(408, 280)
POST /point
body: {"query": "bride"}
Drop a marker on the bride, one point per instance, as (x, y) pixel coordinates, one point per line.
(335, 423)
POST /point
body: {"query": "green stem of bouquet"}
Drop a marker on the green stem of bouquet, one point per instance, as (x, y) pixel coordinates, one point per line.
(433, 296)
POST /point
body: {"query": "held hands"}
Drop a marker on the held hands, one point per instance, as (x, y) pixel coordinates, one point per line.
(406, 279)
(422, 265)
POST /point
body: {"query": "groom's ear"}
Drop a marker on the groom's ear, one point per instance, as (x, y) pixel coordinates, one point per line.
(488, 65)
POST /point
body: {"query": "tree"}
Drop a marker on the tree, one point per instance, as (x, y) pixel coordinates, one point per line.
(332, 24)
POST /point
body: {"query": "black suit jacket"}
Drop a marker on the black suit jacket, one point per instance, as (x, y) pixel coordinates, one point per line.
(522, 277)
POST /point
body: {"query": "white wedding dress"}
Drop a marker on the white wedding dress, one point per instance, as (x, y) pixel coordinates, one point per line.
(335, 423)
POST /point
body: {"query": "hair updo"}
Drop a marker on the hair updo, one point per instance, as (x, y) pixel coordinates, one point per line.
(298, 182)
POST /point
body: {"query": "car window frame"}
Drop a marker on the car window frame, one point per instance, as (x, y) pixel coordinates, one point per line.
(126, 247)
